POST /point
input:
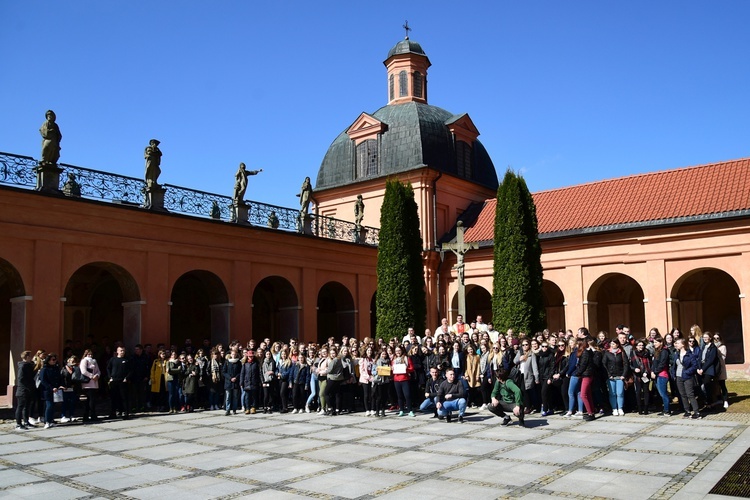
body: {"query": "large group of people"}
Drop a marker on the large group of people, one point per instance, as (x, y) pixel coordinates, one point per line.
(447, 372)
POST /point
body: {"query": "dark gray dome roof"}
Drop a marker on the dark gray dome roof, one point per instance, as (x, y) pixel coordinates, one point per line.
(406, 47)
(417, 136)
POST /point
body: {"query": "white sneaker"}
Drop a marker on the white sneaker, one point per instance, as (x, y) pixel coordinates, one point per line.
(568, 414)
(622, 412)
(33, 421)
(295, 411)
(370, 413)
(483, 407)
(307, 409)
(320, 412)
(64, 420)
(48, 425)
(726, 404)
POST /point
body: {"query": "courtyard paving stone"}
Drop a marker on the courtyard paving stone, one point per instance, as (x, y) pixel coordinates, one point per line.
(207, 454)
(350, 483)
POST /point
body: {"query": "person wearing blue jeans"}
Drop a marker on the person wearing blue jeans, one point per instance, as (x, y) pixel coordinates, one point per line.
(451, 397)
(618, 367)
(313, 390)
(574, 393)
(659, 372)
(430, 392)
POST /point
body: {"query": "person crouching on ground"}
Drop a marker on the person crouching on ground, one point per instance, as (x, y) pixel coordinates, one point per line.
(451, 397)
(506, 396)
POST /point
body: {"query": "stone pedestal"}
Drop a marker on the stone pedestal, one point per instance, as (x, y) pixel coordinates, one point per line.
(240, 212)
(155, 198)
(304, 224)
(360, 234)
(48, 178)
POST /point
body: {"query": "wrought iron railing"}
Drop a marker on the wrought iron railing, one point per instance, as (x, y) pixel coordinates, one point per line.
(104, 186)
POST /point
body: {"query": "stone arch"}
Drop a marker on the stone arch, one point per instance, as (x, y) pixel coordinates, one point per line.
(199, 309)
(478, 303)
(554, 305)
(710, 298)
(102, 305)
(336, 313)
(275, 309)
(12, 324)
(613, 299)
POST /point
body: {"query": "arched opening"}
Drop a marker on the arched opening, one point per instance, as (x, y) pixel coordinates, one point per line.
(478, 303)
(200, 310)
(616, 299)
(373, 315)
(336, 316)
(554, 305)
(12, 324)
(710, 298)
(275, 309)
(102, 306)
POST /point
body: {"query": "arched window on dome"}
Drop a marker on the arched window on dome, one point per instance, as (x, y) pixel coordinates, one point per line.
(367, 158)
(403, 84)
(417, 84)
(391, 87)
(463, 160)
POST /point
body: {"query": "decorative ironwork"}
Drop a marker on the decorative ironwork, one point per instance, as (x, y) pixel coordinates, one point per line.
(104, 186)
(18, 170)
(193, 202)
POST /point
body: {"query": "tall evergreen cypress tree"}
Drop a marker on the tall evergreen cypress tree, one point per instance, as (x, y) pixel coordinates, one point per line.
(517, 300)
(400, 299)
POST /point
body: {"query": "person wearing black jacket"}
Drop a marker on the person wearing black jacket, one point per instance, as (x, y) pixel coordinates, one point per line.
(231, 372)
(545, 362)
(50, 383)
(430, 391)
(618, 368)
(451, 396)
(709, 366)
(585, 372)
(25, 389)
(250, 382)
(120, 374)
(660, 372)
(139, 388)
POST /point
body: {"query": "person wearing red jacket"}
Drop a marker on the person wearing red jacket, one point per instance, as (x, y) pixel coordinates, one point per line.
(402, 368)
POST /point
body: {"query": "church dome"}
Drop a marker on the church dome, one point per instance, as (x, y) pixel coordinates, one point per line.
(406, 47)
(415, 135)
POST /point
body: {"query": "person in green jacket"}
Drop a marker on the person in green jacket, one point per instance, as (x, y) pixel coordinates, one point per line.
(506, 396)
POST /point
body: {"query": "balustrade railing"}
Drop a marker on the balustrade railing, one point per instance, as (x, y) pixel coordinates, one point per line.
(21, 171)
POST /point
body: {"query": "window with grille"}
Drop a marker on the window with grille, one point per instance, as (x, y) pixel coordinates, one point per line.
(367, 158)
(463, 160)
(417, 82)
(403, 85)
(391, 87)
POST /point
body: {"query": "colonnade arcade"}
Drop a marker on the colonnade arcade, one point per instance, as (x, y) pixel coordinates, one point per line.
(102, 303)
(708, 297)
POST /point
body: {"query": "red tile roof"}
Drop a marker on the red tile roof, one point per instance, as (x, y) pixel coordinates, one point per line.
(716, 188)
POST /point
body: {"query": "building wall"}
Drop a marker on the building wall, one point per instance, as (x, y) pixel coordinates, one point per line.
(49, 239)
(659, 260)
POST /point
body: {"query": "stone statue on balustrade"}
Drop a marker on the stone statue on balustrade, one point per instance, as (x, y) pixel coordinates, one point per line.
(71, 186)
(240, 182)
(153, 163)
(359, 211)
(273, 220)
(51, 139)
(47, 172)
(305, 197)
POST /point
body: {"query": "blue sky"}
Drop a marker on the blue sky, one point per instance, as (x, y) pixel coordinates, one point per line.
(565, 92)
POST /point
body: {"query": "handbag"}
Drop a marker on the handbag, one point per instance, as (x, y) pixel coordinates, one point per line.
(629, 380)
(57, 397)
(77, 376)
